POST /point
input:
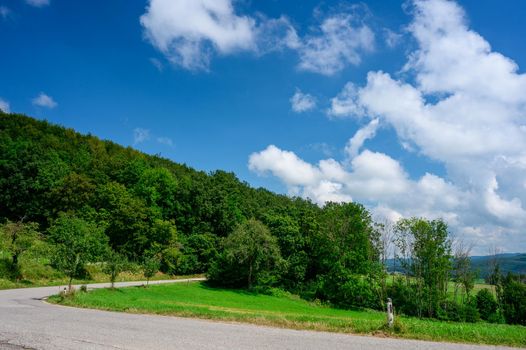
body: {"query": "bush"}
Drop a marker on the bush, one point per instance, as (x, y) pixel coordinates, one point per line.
(403, 296)
(486, 304)
(451, 311)
(457, 312)
(471, 313)
(357, 291)
(514, 300)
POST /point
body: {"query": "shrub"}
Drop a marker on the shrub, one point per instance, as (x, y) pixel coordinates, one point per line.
(357, 291)
(403, 296)
(514, 300)
(486, 304)
(471, 313)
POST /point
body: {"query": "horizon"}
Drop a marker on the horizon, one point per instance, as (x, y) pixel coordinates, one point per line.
(412, 108)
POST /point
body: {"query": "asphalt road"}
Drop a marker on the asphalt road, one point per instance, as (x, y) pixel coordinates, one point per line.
(26, 322)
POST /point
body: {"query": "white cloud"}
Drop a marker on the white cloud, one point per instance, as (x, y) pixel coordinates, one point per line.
(43, 100)
(339, 42)
(474, 126)
(370, 177)
(356, 142)
(458, 103)
(346, 104)
(187, 31)
(140, 135)
(4, 106)
(285, 165)
(190, 32)
(392, 39)
(38, 3)
(302, 102)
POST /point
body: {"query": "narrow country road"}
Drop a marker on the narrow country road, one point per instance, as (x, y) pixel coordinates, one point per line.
(26, 322)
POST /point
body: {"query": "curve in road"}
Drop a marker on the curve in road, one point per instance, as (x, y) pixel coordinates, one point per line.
(26, 322)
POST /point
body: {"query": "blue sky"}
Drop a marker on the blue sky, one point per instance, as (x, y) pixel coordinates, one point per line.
(211, 84)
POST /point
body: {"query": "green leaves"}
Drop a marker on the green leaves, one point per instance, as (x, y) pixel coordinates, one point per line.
(76, 242)
(16, 238)
(251, 257)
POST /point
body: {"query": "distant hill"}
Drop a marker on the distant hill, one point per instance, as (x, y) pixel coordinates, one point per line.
(509, 262)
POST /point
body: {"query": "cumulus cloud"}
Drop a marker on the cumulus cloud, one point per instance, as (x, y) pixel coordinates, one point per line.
(38, 3)
(458, 103)
(339, 42)
(140, 135)
(43, 100)
(302, 102)
(190, 32)
(4, 106)
(345, 104)
(187, 31)
(370, 177)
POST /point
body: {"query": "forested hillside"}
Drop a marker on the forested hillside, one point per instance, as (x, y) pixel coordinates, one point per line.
(48, 171)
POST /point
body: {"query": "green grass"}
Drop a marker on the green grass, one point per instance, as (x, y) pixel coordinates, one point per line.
(284, 310)
(40, 275)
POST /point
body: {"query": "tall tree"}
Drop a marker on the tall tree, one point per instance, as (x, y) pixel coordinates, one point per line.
(426, 256)
(251, 257)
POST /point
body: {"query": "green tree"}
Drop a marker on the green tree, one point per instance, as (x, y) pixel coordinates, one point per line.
(463, 274)
(16, 238)
(76, 242)
(127, 218)
(425, 253)
(251, 257)
(151, 265)
(158, 188)
(114, 264)
(292, 247)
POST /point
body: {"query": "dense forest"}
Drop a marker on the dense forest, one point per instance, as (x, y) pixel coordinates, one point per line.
(93, 201)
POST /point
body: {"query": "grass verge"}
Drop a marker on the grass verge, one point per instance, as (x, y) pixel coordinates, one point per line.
(95, 278)
(284, 310)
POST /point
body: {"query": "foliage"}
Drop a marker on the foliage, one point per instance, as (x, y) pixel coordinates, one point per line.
(486, 304)
(251, 257)
(76, 242)
(16, 238)
(114, 264)
(151, 265)
(513, 300)
(424, 250)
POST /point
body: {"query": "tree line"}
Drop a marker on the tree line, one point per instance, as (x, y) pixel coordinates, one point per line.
(89, 200)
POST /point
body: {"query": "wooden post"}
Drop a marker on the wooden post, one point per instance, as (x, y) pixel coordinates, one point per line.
(390, 313)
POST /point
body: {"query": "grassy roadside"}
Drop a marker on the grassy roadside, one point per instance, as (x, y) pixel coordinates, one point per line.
(97, 277)
(285, 310)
